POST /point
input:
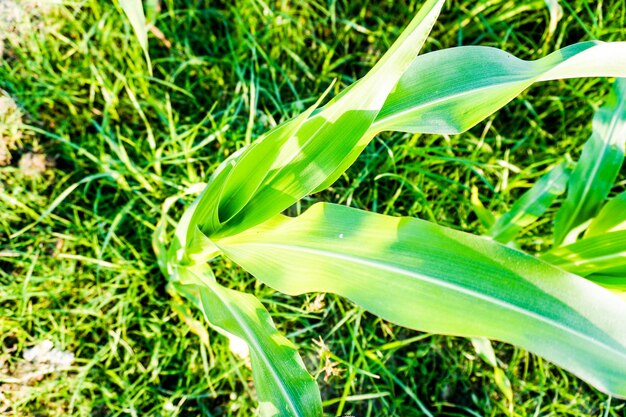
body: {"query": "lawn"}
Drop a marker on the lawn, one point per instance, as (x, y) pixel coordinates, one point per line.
(92, 144)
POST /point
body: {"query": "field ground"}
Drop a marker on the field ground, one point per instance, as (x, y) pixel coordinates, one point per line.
(101, 144)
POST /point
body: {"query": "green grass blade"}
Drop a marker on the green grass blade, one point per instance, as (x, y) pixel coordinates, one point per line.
(427, 277)
(532, 205)
(599, 164)
(602, 254)
(61, 197)
(135, 14)
(283, 385)
(486, 217)
(451, 90)
(316, 153)
(484, 349)
(612, 217)
(556, 14)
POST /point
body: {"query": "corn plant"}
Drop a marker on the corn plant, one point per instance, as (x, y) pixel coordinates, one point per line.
(411, 272)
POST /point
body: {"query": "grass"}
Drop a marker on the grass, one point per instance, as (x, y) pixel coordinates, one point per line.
(83, 275)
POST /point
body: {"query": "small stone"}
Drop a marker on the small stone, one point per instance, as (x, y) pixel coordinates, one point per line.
(10, 127)
(33, 164)
(44, 353)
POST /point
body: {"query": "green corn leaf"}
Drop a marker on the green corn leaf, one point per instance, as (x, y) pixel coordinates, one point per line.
(451, 90)
(136, 17)
(602, 254)
(231, 189)
(296, 164)
(612, 217)
(283, 385)
(598, 167)
(533, 204)
(612, 282)
(431, 278)
(159, 236)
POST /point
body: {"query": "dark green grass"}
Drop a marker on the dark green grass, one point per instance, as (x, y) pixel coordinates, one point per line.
(85, 276)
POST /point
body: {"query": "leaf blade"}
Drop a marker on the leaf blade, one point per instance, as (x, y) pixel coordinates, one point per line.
(333, 137)
(137, 18)
(284, 386)
(468, 83)
(418, 275)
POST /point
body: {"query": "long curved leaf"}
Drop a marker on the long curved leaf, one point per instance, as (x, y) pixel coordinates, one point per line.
(427, 277)
(283, 385)
(596, 170)
(451, 90)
